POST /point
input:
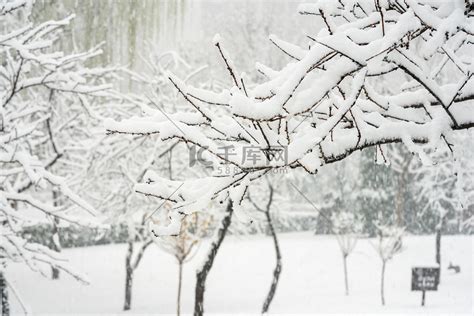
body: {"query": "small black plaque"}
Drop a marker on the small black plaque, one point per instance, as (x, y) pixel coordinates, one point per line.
(424, 279)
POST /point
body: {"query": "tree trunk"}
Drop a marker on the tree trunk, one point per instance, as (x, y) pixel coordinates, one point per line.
(401, 190)
(56, 245)
(439, 231)
(438, 246)
(438, 251)
(346, 281)
(278, 267)
(54, 273)
(128, 277)
(130, 267)
(4, 295)
(180, 278)
(202, 273)
(400, 201)
(55, 241)
(382, 286)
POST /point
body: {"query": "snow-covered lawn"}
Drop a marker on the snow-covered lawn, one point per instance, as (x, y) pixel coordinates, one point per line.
(311, 281)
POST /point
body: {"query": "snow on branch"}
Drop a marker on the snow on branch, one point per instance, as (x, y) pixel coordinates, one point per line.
(43, 95)
(379, 72)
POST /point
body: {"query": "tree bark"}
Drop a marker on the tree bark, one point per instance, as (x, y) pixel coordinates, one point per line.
(4, 295)
(55, 241)
(130, 266)
(382, 286)
(54, 273)
(438, 251)
(203, 272)
(278, 267)
(180, 278)
(439, 232)
(438, 246)
(346, 281)
(400, 200)
(128, 277)
(56, 247)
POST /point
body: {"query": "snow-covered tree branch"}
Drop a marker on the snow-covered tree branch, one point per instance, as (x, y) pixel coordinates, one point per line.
(44, 96)
(328, 103)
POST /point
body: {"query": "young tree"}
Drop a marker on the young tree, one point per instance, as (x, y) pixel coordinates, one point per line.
(120, 163)
(341, 216)
(324, 105)
(389, 243)
(123, 162)
(347, 229)
(132, 260)
(119, 166)
(184, 246)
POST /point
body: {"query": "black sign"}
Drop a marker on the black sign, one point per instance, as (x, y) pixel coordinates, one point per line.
(424, 279)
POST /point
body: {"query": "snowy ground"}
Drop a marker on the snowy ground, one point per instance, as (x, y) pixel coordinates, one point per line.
(311, 282)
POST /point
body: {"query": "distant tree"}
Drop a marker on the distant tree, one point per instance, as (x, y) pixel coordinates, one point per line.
(185, 245)
(122, 162)
(436, 189)
(376, 194)
(120, 166)
(401, 167)
(347, 228)
(444, 189)
(389, 243)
